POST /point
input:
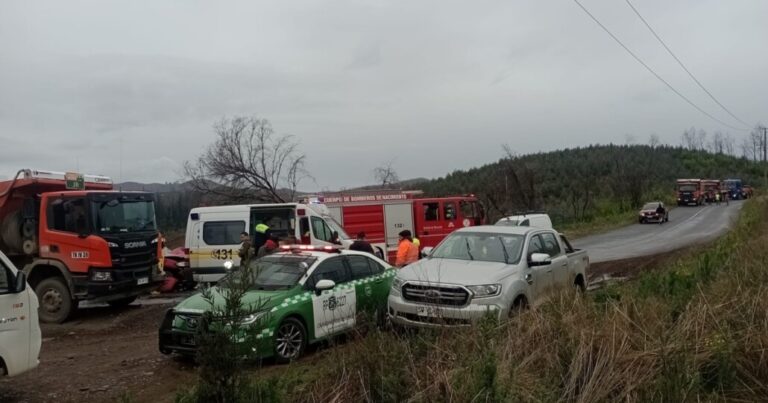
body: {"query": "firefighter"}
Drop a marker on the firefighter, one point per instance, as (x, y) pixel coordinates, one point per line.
(717, 199)
(407, 252)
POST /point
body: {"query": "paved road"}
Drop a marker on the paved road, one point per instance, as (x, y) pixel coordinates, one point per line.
(687, 226)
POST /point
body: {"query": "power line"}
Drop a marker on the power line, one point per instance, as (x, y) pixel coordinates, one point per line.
(652, 71)
(682, 65)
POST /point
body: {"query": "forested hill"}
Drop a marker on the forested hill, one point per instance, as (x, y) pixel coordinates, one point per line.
(583, 183)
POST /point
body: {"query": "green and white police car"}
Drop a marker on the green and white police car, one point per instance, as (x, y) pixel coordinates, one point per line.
(304, 295)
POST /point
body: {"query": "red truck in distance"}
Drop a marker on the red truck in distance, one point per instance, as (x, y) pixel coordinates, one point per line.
(690, 191)
(77, 239)
(382, 214)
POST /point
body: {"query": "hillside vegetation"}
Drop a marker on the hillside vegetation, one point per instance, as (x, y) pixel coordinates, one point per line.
(584, 184)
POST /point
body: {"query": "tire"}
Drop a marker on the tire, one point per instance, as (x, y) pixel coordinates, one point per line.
(519, 306)
(118, 303)
(578, 285)
(290, 340)
(56, 304)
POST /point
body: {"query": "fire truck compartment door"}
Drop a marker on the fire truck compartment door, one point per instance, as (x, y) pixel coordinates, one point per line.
(397, 217)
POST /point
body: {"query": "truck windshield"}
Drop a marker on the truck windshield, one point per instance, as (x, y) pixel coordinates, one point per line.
(123, 215)
(273, 272)
(687, 188)
(481, 246)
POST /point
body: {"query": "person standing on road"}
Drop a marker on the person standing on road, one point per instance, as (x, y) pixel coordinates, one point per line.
(717, 199)
(407, 252)
(361, 245)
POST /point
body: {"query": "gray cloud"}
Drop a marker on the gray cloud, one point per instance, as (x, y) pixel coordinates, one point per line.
(435, 85)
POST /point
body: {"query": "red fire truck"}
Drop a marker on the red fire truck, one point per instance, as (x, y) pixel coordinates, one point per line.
(382, 214)
(77, 239)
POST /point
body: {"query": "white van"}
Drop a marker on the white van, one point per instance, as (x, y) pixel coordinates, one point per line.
(19, 327)
(213, 233)
(538, 220)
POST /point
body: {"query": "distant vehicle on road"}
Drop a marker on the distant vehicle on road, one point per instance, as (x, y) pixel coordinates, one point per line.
(533, 219)
(650, 213)
(711, 188)
(747, 191)
(690, 191)
(20, 338)
(485, 270)
(734, 188)
(302, 295)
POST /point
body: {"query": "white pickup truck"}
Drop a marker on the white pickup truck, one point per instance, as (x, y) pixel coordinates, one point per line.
(486, 269)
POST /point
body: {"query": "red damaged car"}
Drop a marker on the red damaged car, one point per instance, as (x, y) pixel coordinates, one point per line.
(654, 212)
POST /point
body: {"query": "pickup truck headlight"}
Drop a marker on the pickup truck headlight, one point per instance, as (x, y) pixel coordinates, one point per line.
(487, 290)
(397, 284)
(101, 276)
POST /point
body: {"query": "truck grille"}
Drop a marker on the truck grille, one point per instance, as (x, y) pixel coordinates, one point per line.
(438, 295)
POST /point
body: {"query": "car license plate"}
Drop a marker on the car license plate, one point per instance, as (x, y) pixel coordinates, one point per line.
(431, 311)
(142, 280)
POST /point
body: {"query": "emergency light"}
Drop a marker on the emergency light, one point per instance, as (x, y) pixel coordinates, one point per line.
(309, 248)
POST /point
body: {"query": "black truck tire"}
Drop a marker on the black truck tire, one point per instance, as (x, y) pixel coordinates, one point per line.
(56, 304)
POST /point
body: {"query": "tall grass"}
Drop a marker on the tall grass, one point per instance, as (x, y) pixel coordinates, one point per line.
(694, 331)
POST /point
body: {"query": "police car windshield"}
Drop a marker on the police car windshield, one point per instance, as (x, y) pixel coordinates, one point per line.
(274, 272)
(481, 246)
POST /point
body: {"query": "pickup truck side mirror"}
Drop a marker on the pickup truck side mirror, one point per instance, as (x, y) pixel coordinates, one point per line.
(426, 251)
(21, 282)
(323, 285)
(539, 259)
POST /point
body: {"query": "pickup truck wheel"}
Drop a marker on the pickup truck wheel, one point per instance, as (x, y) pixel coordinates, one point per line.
(641, 220)
(56, 303)
(518, 307)
(579, 286)
(290, 340)
(122, 302)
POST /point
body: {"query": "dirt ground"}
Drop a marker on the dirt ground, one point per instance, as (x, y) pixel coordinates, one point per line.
(107, 354)
(102, 355)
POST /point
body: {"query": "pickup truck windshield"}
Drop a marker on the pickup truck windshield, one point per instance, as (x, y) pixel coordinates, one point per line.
(481, 246)
(273, 272)
(123, 215)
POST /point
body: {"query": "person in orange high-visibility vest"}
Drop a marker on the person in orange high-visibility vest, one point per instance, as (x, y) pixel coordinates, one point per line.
(407, 252)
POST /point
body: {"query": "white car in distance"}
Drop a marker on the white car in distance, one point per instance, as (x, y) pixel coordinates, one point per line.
(486, 269)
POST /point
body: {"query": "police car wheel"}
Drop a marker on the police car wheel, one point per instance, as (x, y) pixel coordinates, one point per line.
(290, 340)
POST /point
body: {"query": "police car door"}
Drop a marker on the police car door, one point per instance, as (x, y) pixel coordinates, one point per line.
(333, 310)
(369, 283)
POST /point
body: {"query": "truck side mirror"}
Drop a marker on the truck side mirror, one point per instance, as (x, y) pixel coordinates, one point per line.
(21, 282)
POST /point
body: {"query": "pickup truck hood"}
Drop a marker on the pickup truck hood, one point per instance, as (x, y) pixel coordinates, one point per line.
(452, 271)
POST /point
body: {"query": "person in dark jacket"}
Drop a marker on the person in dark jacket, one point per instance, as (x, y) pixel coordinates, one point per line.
(361, 244)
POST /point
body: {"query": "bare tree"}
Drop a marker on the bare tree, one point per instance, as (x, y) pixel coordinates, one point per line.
(386, 174)
(689, 139)
(248, 162)
(752, 145)
(729, 144)
(654, 141)
(701, 140)
(717, 145)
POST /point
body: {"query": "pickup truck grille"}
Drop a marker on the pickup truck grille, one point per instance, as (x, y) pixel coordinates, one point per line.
(438, 295)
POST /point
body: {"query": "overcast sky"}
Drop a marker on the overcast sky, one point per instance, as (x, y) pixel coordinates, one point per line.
(433, 85)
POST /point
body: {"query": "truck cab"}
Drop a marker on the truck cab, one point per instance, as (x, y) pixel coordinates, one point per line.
(77, 239)
(213, 233)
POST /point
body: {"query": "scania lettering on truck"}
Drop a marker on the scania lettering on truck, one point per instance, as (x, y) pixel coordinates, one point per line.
(213, 233)
(19, 328)
(76, 239)
(382, 215)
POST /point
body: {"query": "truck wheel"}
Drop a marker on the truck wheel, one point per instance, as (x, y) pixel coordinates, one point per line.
(290, 340)
(56, 303)
(122, 302)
